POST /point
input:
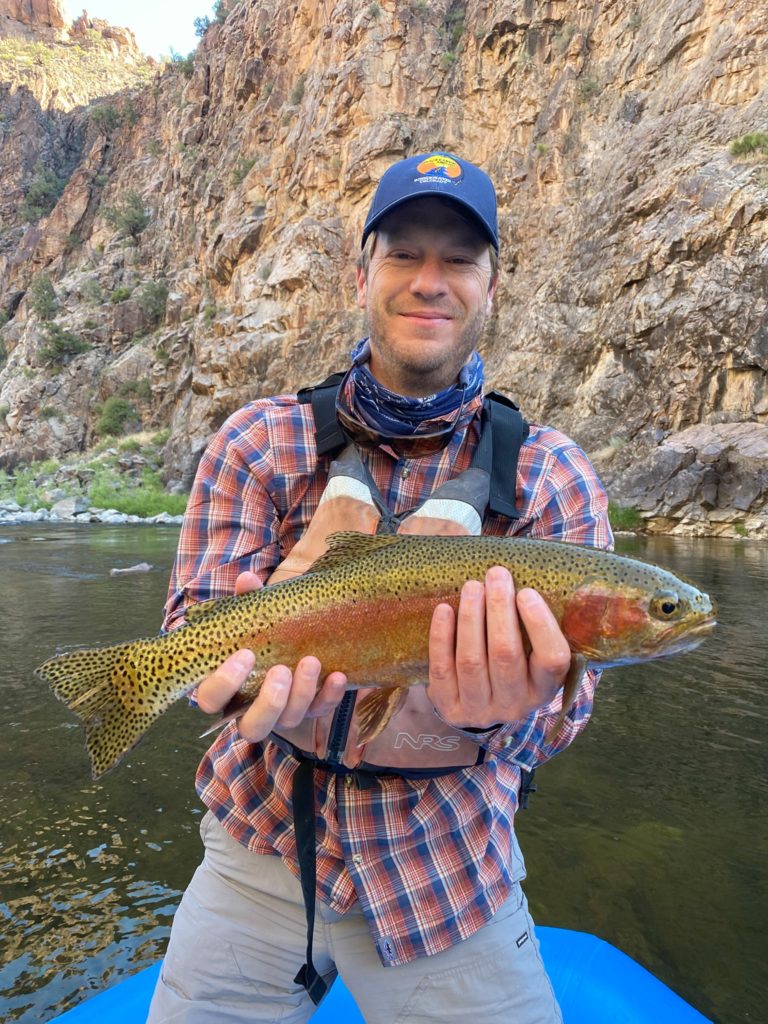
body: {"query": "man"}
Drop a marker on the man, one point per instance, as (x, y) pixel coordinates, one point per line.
(417, 867)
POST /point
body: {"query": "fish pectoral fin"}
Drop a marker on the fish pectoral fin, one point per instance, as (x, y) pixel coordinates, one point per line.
(347, 546)
(570, 688)
(376, 710)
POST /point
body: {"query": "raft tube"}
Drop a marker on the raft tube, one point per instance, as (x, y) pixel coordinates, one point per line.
(595, 983)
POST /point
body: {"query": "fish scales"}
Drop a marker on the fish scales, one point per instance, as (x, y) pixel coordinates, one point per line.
(364, 608)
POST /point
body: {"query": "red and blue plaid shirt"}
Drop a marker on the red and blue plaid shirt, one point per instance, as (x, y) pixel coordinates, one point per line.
(430, 860)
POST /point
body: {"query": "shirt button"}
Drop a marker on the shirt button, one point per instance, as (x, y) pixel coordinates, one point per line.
(348, 780)
(405, 472)
(357, 858)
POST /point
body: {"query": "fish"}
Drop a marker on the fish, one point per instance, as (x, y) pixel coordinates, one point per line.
(364, 608)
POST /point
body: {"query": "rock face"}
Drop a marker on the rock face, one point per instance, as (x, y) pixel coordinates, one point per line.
(632, 306)
(31, 18)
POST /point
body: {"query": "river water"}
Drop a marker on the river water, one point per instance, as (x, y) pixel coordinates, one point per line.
(650, 831)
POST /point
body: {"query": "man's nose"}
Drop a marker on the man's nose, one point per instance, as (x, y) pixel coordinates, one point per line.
(428, 279)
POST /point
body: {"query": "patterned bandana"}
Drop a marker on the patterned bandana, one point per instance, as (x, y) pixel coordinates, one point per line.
(373, 414)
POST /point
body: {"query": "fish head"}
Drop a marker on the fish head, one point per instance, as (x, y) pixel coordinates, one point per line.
(622, 624)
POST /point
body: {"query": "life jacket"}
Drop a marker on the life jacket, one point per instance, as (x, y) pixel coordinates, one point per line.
(416, 742)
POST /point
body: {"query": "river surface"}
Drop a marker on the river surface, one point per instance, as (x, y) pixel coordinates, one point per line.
(651, 831)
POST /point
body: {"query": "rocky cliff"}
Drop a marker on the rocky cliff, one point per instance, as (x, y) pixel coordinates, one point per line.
(203, 244)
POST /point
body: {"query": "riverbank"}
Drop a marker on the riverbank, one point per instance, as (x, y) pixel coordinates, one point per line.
(12, 514)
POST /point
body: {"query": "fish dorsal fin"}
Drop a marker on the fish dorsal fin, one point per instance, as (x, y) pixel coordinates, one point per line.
(347, 546)
(197, 612)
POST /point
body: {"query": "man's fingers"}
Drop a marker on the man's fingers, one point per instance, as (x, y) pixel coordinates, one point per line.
(507, 661)
(306, 678)
(442, 657)
(329, 695)
(258, 720)
(286, 698)
(246, 582)
(472, 648)
(550, 654)
(215, 692)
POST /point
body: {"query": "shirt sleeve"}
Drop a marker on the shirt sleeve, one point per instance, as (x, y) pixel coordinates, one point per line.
(231, 522)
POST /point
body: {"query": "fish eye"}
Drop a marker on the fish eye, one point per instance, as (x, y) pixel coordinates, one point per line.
(665, 604)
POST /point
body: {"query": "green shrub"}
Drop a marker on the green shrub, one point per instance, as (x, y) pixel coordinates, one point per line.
(3, 356)
(589, 87)
(129, 114)
(297, 93)
(42, 194)
(454, 28)
(48, 412)
(624, 517)
(42, 296)
(749, 144)
(152, 299)
(186, 65)
(104, 118)
(201, 26)
(374, 10)
(91, 291)
(128, 216)
(241, 169)
(120, 294)
(115, 414)
(154, 148)
(145, 498)
(141, 389)
(60, 345)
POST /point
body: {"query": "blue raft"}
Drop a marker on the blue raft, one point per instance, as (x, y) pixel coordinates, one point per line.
(595, 983)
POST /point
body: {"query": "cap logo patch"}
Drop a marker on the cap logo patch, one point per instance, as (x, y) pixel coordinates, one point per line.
(439, 169)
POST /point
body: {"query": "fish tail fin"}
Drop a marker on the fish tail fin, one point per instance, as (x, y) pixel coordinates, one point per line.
(570, 688)
(99, 686)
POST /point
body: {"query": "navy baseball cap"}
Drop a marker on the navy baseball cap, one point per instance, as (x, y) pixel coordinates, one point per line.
(436, 174)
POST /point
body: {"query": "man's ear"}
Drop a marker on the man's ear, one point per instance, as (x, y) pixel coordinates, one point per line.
(361, 287)
(491, 292)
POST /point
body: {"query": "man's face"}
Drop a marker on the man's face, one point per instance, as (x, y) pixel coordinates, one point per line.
(427, 294)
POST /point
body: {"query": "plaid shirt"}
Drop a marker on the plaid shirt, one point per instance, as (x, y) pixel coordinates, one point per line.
(430, 860)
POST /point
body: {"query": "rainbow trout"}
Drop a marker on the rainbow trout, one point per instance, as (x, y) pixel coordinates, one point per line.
(364, 608)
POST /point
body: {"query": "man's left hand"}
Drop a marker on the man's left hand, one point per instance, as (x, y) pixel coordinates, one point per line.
(481, 673)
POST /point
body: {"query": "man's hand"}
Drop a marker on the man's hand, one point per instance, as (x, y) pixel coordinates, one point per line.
(285, 698)
(479, 672)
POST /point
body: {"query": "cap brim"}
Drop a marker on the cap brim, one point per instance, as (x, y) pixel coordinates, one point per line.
(441, 194)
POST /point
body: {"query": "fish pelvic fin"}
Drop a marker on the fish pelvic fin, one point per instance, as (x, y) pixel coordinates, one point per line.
(376, 709)
(570, 687)
(93, 683)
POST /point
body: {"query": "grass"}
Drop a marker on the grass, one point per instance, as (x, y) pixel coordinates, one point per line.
(624, 517)
(109, 485)
(146, 497)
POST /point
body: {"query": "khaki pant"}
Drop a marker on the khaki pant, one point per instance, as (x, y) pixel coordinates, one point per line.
(239, 937)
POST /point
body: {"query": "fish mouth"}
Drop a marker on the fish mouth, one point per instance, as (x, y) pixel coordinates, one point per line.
(674, 642)
(671, 642)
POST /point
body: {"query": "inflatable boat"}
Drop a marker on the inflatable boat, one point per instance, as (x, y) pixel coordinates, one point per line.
(595, 983)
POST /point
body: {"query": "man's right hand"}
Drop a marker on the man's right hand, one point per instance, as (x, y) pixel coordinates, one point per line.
(286, 696)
